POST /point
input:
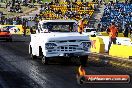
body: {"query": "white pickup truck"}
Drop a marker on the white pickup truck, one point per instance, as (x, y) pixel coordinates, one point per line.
(59, 38)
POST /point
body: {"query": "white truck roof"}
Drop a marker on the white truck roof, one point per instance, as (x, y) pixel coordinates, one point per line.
(45, 21)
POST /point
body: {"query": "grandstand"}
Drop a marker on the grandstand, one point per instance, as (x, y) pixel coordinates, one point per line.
(68, 10)
(118, 12)
(87, 9)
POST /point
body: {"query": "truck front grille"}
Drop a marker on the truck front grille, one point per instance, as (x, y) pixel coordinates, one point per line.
(68, 48)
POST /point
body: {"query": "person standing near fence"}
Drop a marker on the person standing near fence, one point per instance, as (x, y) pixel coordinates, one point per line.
(130, 28)
(24, 29)
(113, 33)
(126, 30)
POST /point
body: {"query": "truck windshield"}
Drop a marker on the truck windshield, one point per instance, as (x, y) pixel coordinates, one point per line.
(60, 26)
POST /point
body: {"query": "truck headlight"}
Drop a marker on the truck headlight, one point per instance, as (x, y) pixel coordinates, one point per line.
(50, 45)
(85, 45)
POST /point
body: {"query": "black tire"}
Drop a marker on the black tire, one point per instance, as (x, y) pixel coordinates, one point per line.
(43, 58)
(83, 60)
(31, 55)
(40, 52)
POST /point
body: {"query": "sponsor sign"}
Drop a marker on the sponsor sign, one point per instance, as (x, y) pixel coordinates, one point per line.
(14, 29)
(82, 78)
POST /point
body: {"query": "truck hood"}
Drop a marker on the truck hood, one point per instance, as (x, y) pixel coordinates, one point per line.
(64, 36)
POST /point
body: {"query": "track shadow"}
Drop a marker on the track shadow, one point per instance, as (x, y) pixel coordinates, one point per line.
(57, 61)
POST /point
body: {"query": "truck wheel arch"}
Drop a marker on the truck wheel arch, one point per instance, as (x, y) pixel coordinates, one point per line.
(41, 54)
(40, 51)
(30, 52)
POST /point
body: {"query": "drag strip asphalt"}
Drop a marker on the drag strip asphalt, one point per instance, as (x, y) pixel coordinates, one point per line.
(18, 70)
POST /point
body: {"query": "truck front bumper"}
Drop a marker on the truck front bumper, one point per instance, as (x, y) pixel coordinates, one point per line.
(74, 54)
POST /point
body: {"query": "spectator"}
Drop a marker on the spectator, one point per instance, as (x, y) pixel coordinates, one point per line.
(99, 27)
(24, 30)
(113, 32)
(14, 22)
(126, 31)
(130, 27)
(31, 30)
(81, 26)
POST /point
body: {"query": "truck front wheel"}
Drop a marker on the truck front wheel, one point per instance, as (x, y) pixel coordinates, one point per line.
(83, 60)
(44, 60)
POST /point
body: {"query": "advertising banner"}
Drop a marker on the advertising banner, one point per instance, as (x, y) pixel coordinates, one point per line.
(14, 29)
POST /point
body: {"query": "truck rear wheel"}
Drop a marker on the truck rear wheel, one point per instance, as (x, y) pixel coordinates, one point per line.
(83, 60)
(31, 55)
(43, 58)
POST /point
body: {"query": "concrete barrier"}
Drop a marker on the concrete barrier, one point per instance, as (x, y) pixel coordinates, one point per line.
(97, 45)
(103, 33)
(120, 41)
(122, 51)
(28, 31)
(119, 34)
(16, 29)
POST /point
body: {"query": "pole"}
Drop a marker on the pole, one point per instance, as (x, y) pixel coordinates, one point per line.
(71, 5)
